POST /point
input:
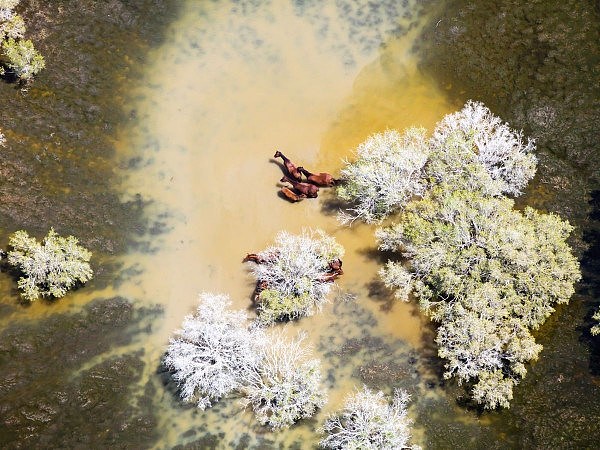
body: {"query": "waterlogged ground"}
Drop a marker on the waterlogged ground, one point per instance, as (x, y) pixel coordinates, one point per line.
(184, 186)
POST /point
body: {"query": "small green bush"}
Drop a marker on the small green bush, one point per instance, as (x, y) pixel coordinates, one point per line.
(22, 58)
(51, 268)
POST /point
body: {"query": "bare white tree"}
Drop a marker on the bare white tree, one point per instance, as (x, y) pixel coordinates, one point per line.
(385, 174)
(475, 135)
(286, 386)
(296, 274)
(369, 422)
(214, 352)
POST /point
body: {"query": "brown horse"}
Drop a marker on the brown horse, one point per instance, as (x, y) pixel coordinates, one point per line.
(291, 195)
(289, 166)
(310, 190)
(320, 179)
(260, 286)
(261, 259)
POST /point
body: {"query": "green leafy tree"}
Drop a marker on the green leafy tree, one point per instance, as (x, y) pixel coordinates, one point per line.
(22, 58)
(487, 274)
(18, 56)
(49, 269)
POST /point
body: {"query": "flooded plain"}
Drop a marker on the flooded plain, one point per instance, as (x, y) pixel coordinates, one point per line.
(228, 84)
(233, 83)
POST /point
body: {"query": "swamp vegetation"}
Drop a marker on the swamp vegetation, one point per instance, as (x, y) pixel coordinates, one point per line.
(84, 371)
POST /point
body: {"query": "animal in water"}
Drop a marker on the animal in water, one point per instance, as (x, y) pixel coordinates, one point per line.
(310, 190)
(261, 259)
(260, 286)
(291, 195)
(335, 271)
(320, 179)
(336, 266)
(290, 167)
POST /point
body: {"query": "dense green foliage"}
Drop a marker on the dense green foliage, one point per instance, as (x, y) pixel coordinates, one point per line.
(18, 56)
(51, 268)
(487, 273)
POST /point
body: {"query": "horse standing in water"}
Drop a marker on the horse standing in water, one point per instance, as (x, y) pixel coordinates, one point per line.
(291, 168)
(310, 190)
(320, 179)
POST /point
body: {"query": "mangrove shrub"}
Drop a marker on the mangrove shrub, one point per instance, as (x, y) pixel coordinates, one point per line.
(214, 351)
(385, 175)
(295, 275)
(17, 55)
(51, 268)
(369, 422)
(218, 352)
(286, 386)
(486, 273)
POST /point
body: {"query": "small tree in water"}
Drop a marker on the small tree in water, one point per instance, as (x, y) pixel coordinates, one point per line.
(218, 351)
(295, 275)
(285, 387)
(51, 268)
(369, 422)
(214, 352)
(386, 174)
(18, 56)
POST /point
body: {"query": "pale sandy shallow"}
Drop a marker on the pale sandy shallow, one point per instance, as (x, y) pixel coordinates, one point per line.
(232, 83)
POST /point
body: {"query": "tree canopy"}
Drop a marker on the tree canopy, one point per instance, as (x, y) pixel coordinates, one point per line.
(49, 269)
(487, 273)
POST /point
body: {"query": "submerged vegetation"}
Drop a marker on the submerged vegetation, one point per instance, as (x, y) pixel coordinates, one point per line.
(487, 273)
(49, 269)
(18, 56)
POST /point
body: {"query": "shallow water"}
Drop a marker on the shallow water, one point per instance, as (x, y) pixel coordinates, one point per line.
(234, 82)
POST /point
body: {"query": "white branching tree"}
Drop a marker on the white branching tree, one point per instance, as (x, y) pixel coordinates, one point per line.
(49, 269)
(296, 274)
(214, 352)
(385, 175)
(473, 149)
(369, 422)
(286, 386)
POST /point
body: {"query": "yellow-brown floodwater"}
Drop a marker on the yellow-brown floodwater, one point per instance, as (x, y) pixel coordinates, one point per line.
(233, 82)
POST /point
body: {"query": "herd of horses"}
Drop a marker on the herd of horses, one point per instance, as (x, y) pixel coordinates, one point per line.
(302, 187)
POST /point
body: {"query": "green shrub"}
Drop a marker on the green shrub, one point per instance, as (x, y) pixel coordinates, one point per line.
(21, 58)
(51, 268)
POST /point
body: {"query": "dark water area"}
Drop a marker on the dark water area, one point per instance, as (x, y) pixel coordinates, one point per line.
(62, 384)
(537, 65)
(82, 372)
(57, 168)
